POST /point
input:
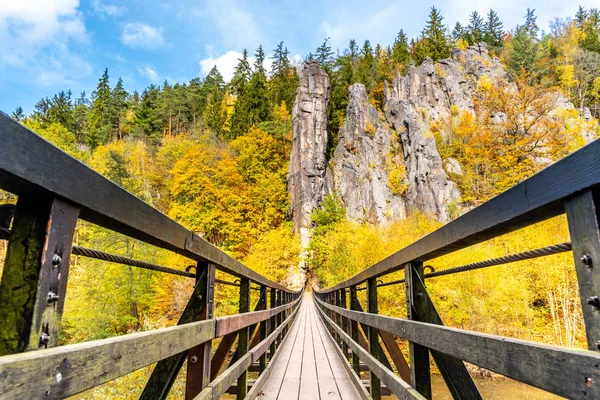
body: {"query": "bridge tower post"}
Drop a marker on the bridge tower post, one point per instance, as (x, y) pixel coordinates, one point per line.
(583, 215)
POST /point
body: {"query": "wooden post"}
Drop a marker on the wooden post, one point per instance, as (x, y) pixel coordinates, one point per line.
(344, 322)
(262, 362)
(198, 358)
(374, 347)
(455, 374)
(420, 375)
(166, 370)
(272, 304)
(243, 341)
(278, 317)
(354, 328)
(35, 274)
(583, 215)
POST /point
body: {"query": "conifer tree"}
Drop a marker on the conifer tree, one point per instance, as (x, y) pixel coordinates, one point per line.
(494, 30)
(283, 78)
(366, 72)
(215, 115)
(400, 53)
(100, 122)
(475, 28)
(458, 32)
(324, 55)
(434, 36)
(580, 17)
(18, 114)
(531, 24)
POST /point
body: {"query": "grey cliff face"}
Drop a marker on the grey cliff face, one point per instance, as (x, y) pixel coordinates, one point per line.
(309, 177)
(365, 152)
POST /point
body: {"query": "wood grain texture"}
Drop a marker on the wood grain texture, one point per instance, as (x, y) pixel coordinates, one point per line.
(64, 371)
(555, 369)
(400, 388)
(536, 199)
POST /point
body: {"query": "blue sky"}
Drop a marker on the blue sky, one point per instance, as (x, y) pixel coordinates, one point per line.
(52, 45)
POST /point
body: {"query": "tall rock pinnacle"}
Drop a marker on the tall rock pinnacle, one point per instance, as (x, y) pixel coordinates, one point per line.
(309, 177)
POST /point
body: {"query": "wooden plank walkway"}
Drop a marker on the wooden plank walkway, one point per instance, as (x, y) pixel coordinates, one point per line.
(308, 367)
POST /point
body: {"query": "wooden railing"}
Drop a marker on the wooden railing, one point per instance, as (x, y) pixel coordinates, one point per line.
(571, 187)
(54, 191)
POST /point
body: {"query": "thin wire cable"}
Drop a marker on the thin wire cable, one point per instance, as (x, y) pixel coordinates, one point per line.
(526, 255)
(100, 255)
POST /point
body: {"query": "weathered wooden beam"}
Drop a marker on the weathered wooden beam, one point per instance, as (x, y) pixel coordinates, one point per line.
(354, 329)
(198, 358)
(165, 372)
(562, 371)
(272, 327)
(536, 199)
(455, 374)
(243, 339)
(374, 346)
(263, 330)
(220, 385)
(35, 274)
(345, 324)
(420, 376)
(400, 388)
(383, 358)
(64, 371)
(583, 215)
(396, 355)
(261, 305)
(233, 323)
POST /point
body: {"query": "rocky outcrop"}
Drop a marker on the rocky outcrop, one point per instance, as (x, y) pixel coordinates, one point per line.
(309, 177)
(365, 155)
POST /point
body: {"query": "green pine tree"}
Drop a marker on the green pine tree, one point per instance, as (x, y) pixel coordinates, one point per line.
(434, 36)
(475, 28)
(400, 53)
(494, 31)
(100, 121)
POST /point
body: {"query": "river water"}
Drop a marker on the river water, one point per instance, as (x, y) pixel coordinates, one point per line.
(492, 389)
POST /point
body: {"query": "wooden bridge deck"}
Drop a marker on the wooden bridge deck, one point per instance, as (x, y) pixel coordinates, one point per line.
(309, 366)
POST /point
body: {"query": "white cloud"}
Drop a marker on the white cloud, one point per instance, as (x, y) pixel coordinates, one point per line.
(138, 34)
(150, 73)
(235, 26)
(110, 10)
(36, 38)
(226, 63)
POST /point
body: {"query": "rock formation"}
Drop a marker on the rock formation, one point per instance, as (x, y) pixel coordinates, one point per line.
(365, 154)
(309, 176)
(386, 164)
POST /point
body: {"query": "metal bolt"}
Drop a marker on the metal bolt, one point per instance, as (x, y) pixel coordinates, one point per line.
(56, 260)
(194, 359)
(52, 298)
(200, 297)
(594, 301)
(44, 339)
(586, 259)
(58, 377)
(589, 381)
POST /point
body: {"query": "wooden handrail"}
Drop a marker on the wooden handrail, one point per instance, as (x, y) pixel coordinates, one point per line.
(400, 388)
(219, 386)
(31, 165)
(562, 371)
(67, 370)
